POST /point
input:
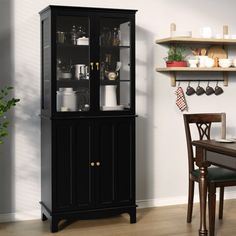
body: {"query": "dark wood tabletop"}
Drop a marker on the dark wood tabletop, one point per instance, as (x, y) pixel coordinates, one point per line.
(218, 147)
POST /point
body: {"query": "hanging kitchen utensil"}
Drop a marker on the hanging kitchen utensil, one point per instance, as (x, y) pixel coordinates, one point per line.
(209, 89)
(218, 89)
(190, 90)
(200, 90)
(180, 99)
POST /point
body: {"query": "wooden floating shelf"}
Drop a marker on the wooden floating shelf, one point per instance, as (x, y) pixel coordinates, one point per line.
(172, 71)
(190, 40)
(186, 69)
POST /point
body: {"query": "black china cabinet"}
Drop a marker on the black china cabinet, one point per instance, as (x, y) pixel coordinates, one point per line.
(87, 113)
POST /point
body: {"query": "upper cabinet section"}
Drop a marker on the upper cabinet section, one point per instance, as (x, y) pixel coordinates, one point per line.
(88, 61)
(72, 63)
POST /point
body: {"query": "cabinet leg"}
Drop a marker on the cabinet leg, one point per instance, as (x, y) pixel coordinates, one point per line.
(43, 217)
(54, 225)
(132, 215)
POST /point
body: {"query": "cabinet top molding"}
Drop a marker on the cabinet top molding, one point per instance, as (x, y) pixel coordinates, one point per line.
(58, 7)
(195, 40)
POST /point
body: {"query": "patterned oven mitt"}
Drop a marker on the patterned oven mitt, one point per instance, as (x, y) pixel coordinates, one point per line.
(180, 100)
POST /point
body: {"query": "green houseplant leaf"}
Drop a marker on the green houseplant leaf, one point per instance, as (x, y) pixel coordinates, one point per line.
(176, 53)
(6, 103)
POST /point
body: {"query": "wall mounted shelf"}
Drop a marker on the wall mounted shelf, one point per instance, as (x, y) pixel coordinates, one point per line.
(173, 70)
(199, 41)
(188, 40)
(186, 69)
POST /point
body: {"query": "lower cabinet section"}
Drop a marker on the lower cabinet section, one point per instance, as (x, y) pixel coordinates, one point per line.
(88, 168)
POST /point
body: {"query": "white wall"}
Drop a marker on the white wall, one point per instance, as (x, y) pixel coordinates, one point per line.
(161, 148)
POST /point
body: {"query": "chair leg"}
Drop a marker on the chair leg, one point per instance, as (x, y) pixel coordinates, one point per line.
(211, 208)
(190, 201)
(221, 203)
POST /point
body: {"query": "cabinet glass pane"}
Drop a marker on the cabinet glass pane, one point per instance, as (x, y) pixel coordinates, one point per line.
(114, 64)
(46, 69)
(73, 75)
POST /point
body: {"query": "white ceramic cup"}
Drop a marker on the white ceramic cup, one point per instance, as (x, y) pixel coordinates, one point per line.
(64, 109)
(234, 62)
(206, 32)
(209, 62)
(226, 36)
(79, 69)
(202, 61)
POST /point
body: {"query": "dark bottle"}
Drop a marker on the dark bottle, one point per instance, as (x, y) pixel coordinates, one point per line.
(115, 37)
(73, 35)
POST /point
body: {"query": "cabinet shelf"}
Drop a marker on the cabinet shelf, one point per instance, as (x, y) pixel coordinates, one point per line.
(71, 82)
(110, 82)
(114, 47)
(67, 45)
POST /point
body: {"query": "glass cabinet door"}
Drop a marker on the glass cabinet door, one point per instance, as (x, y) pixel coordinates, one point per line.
(115, 78)
(72, 64)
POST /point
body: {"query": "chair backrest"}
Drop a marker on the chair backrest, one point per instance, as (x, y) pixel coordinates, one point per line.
(203, 122)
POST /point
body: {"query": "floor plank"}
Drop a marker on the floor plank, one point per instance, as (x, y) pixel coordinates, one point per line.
(159, 221)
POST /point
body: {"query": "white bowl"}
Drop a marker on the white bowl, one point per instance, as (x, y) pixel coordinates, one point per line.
(209, 62)
(234, 62)
(193, 63)
(225, 63)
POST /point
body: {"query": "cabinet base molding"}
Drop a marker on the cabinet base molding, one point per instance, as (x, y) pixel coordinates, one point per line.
(60, 220)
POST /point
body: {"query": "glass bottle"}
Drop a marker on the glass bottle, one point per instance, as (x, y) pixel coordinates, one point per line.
(115, 37)
(73, 35)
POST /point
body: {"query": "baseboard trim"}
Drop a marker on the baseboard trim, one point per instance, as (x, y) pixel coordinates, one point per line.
(158, 202)
(20, 216)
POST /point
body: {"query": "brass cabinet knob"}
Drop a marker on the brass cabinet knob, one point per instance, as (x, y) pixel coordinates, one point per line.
(92, 163)
(97, 64)
(91, 64)
(98, 163)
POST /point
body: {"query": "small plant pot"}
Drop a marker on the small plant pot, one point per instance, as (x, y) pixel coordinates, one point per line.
(176, 64)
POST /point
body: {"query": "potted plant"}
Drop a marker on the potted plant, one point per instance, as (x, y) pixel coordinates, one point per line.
(6, 103)
(176, 57)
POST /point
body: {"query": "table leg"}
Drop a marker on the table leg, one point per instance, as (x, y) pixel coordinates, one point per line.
(203, 195)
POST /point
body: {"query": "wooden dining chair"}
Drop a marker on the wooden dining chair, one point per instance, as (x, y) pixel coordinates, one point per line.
(216, 176)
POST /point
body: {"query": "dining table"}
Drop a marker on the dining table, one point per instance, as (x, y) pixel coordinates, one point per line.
(211, 152)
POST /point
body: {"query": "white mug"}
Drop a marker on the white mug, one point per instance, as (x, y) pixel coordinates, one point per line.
(79, 70)
(206, 32)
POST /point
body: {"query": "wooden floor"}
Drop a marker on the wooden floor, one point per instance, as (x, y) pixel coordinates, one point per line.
(160, 221)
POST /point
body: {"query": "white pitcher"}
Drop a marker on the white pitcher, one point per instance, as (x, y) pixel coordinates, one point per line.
(110, 96)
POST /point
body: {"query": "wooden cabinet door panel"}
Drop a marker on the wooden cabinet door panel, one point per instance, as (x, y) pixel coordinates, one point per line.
(115, 151)
(124, 161)
(62, 166)
(83, 170)
(106, 157)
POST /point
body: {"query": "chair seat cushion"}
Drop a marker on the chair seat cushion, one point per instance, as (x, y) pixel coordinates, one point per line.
(218, 174)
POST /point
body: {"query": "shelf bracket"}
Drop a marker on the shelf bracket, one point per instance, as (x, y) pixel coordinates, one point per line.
(225, 30)
(172, 28)
(173, 78)
(225, 77)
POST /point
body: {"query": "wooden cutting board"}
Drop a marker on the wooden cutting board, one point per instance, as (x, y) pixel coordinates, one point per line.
(217, 52)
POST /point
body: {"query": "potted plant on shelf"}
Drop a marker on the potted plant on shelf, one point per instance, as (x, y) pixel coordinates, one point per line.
(6, 103)
(176, 57)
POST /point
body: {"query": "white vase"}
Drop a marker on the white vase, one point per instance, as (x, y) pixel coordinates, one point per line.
(110, 96)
